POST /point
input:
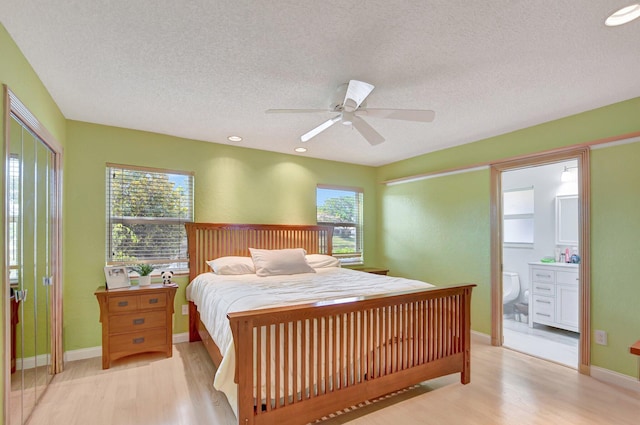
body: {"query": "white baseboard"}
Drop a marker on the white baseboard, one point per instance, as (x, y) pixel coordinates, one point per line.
(30, 362)
(480, 337)
(83, 353)
(615, 378)
(87, 353)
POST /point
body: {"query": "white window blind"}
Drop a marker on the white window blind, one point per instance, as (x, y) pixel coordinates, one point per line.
(518, 215)
(146, 212)
(341, 208)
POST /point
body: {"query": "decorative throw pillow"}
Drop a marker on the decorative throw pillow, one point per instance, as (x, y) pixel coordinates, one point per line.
(319, 261)
(232, 265)
(274, 262)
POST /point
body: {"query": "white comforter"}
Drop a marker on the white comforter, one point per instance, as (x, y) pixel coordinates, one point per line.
(217, 295)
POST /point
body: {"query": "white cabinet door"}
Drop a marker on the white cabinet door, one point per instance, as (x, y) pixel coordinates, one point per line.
(567, 306)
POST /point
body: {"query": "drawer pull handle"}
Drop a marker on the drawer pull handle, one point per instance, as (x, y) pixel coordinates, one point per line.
(542, 314)
(123, 303)
(153, 301)
(138, 340)
(543, 302)
(138, 321)
(548, 276)
(543, 289)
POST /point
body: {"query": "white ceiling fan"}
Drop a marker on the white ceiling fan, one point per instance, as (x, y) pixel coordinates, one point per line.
(353, 107)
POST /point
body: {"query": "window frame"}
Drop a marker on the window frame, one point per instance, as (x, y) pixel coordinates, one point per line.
(180, 264)
(356, 257)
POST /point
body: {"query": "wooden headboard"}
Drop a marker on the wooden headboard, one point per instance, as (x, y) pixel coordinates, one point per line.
(208, 241)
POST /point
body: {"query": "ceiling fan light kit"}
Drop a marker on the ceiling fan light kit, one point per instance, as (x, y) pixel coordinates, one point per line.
(352, 107)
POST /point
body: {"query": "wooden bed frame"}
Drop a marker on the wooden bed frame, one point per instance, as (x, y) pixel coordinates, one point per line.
(335, 354)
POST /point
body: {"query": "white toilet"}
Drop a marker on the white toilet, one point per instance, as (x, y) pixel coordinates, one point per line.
(510, 287)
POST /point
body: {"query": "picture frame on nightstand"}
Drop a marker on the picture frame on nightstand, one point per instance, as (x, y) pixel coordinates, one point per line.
(116, 277)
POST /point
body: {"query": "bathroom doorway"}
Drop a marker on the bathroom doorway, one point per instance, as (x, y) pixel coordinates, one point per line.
(540, 257)
(539, 235)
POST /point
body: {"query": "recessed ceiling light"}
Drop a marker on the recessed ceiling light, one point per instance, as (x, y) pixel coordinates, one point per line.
(623, 16)
(234, 138)
(300, 150)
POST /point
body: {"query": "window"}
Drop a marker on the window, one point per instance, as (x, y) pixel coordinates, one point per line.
(146, 212)
(341, 208)
(518, 209)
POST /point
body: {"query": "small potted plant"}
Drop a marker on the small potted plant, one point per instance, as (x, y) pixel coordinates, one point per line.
(144, 270)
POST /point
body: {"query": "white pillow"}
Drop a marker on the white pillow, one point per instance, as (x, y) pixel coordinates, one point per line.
(274, 262)
(232, 265)
(319, 261)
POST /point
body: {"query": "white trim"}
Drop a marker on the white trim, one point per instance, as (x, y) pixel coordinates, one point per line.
(615, 378)
(480, 337)
(91, 352)
(412, 179)
(616, 143)
(30, 362)
(182, 337)
(83, 353)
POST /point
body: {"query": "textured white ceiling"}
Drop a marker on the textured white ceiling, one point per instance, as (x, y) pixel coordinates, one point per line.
(206, 70)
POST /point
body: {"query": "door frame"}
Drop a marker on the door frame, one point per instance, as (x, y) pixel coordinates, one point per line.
(582, 155)
(13, 106)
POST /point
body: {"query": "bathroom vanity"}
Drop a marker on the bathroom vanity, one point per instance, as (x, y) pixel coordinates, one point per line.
(553, 289)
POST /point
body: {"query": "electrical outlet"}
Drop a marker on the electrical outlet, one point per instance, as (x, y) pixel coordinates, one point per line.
(185, 309)
(601, 337)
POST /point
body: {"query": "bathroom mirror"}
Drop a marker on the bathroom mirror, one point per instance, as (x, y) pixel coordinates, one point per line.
(567, 220)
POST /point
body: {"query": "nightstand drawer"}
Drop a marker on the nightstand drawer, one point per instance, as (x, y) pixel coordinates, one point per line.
(137, 302)
(132, 322)
(138, 342)
(153, 301)
(123, 303)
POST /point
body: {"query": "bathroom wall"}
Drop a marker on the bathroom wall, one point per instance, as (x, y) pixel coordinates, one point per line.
(546, 184)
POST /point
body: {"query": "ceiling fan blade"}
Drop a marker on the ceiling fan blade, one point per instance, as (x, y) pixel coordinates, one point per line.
(319, 129)
(295, 111)
(420, 115)
(357, 92)
(372, 136)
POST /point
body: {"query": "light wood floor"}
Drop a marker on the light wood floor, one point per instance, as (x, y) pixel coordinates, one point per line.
(506, 388)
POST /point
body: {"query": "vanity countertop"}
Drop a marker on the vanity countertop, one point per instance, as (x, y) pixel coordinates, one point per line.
(540, 263)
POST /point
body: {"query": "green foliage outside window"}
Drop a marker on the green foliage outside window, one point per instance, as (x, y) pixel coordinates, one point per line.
(147, 212)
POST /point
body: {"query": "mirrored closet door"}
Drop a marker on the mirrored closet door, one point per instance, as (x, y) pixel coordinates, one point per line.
(31, 251)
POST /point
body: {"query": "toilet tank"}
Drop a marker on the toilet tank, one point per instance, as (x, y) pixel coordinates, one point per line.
(510, 286)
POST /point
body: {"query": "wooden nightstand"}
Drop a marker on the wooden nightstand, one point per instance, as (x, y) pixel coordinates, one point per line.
(135, 320)
(374, 270)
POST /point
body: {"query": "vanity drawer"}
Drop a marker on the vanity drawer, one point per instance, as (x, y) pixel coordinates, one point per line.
(547, 289)
(567, 278)
(136, 321)
(543, 309)
(544, 276)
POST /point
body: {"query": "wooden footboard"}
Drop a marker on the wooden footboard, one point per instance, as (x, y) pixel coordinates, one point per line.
(328, 356)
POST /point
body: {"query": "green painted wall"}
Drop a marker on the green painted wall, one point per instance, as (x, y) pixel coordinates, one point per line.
(436, 230)
(615, 269)
(446, 221)
(232, 184)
